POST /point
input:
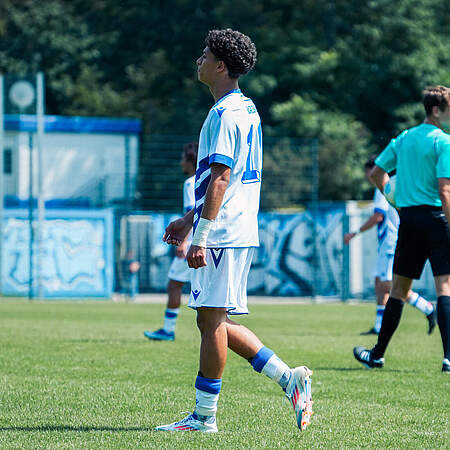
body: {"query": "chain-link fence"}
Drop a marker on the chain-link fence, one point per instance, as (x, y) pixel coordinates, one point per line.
(290, 173)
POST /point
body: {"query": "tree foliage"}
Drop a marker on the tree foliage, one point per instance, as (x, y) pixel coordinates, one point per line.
(346, 72)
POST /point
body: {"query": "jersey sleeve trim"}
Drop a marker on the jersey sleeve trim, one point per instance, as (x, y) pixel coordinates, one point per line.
(221, 159)
(379, 210)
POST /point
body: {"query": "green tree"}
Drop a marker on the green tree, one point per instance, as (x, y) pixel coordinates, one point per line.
(347, 72)
(344, 144)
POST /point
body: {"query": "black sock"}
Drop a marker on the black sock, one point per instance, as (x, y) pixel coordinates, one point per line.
(443, 317)
(391, 319)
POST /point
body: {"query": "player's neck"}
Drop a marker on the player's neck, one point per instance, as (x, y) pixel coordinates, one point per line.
(220, 89)
(430, 120)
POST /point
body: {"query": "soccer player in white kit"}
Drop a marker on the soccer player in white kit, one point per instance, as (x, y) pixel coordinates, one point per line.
(388, 221)
(179, 272)
(227, 189)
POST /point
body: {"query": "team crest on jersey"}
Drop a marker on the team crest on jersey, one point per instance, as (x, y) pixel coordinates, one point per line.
(251, 109)
(195, 294)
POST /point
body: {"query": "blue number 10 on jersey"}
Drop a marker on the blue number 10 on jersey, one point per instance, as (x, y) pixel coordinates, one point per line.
(252, 173)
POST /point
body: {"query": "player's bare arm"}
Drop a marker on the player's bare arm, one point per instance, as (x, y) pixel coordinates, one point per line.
(444, 194)
(379, 177)
(220, 178)
(177, 231)
(373, 220)
(182, 249)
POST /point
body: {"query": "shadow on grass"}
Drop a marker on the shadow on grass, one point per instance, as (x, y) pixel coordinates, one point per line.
(73, 428)
(103, 341)
(359, 369)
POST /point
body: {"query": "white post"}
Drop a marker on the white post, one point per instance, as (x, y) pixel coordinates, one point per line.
(40, 197)
(2, 177)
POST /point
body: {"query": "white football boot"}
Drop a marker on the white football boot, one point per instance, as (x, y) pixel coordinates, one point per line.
(191, 423)
(298, 391)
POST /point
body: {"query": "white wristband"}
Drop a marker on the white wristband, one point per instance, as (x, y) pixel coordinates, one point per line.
(201, 232)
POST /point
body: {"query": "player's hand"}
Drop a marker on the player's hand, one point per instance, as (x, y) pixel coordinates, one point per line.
(348, 237)
(181, 250)
(176, 232)
(196, 257)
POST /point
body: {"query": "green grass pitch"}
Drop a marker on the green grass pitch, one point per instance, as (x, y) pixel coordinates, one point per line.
(81, 375)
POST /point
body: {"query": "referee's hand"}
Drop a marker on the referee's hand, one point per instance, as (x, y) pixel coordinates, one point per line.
(196, 257)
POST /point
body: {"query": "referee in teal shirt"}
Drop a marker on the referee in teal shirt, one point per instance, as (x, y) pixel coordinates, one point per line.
(421, 157)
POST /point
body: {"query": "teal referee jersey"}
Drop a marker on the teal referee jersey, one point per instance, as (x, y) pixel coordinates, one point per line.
(420, 155)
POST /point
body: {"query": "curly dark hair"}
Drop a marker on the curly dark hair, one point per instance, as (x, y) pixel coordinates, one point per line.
(235, 49)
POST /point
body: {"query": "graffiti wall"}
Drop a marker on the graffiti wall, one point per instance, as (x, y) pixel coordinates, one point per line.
(298, 257)
(289, 260)
(76, 258)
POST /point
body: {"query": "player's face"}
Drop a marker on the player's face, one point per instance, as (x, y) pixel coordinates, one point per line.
(368, 177)
(186, 166)
(206, 66)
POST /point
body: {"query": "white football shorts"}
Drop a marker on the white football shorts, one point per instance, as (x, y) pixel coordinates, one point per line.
(180, 271)
(222, 283)
(385, 263)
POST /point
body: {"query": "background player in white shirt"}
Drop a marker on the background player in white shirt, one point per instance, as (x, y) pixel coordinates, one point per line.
(179, 272)
(388, 221)
(227, 187)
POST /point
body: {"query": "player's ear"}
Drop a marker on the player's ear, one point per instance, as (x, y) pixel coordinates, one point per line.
(221, 66)
(435, 111)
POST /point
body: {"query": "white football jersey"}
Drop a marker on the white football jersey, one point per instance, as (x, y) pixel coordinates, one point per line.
(232, 135)
(188, 194)
(388, 228)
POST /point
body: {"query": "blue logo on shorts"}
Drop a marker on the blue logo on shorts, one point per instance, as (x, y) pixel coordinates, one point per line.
(217, 254)
(195, 294)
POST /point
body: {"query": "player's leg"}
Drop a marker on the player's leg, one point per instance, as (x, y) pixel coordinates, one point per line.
(242, 340)
(246, 344)
(296, 383)
(425, 307)
(179, 274)
(440, 265)
(167, 332)
(442, 283)
(392, 314)
(214, 342)
(383, 278)
(213, 356)
(411, 254)
(391, 319)
(209, 297)
(382, 289)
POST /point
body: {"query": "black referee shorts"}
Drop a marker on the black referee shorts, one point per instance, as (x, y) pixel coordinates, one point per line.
(423, 234)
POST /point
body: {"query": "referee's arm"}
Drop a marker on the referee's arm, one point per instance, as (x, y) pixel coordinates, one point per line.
(444, 193)
(379, 177)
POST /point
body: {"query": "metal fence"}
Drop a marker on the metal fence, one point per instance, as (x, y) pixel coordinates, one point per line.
(290, 173)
